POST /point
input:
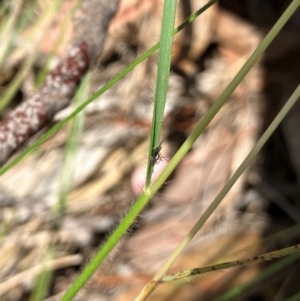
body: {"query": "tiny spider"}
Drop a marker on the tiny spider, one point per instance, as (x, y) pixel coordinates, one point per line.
(156, 155)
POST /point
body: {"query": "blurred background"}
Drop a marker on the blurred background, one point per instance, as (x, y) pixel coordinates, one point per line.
(99, 176)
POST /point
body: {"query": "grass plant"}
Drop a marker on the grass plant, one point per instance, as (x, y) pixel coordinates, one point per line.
(164, 60)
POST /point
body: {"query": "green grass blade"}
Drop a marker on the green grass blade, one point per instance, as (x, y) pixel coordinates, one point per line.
(7, 28)
(7, 31)
(15, 84)
(43, 280)
(106, 248)
(71, 150)
(162, 81)
(162, 78)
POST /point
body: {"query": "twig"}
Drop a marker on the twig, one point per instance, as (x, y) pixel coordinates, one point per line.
(90, 27)
(226, 265)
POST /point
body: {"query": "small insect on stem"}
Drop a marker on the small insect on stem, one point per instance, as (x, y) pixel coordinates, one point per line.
(156, 155)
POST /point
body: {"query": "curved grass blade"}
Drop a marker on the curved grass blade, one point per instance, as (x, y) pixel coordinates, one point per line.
(236, 263)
